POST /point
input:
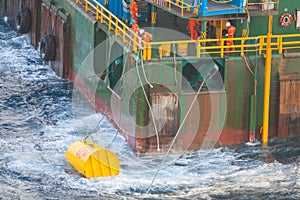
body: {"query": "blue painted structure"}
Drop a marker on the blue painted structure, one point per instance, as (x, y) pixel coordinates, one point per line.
(121, 9)
(207, 7)
(126, 11)
(116, 7)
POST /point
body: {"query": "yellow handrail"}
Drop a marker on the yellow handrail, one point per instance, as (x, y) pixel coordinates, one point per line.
(215, 47)
(242, 45)
(180, 4)
(113, 23)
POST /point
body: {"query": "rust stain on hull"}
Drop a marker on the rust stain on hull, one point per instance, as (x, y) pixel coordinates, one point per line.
(289, 116)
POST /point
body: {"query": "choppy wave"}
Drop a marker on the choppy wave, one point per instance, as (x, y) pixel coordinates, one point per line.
(37, 126)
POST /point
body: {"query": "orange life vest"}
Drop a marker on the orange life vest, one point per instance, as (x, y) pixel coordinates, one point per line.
(231, 31)
(147, 37)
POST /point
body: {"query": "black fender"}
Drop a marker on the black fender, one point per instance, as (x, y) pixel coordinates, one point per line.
(23, 20)
(48, 47)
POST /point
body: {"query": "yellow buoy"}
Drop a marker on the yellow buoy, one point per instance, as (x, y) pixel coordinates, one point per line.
(92, 160)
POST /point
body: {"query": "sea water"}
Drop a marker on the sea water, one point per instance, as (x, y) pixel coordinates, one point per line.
(37, 125)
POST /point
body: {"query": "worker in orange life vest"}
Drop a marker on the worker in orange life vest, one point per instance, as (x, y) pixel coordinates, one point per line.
(147, 37)
(192, 26)
(135, 28)
(230, 34)
(134, 10)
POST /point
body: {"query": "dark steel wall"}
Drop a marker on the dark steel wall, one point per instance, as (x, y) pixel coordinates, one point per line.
(40, 16)
(53, 24)
(12, 7)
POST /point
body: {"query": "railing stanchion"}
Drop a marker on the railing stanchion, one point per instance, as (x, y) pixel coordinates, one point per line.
(222, 48)
(280, 44)
(87, 6)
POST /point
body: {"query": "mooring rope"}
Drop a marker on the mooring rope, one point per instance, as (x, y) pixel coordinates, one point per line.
(95, 129)
(148, 103)
(146, 79)
(178, 131)
(247, 65)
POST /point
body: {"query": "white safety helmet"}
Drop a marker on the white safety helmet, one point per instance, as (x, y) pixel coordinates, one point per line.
(142, 31)
(228, 24)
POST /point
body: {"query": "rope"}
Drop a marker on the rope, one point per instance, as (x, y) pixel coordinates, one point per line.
(95, 129)
(115, 137)
(178, 131)
(247, 60)
(144, 73)
(126, 95)
(148, 103)
(248, 21)
(247, 65)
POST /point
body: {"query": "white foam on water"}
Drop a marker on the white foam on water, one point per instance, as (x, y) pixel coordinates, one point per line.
(37, 128)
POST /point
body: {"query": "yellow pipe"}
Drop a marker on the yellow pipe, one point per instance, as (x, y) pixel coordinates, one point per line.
(265, 133)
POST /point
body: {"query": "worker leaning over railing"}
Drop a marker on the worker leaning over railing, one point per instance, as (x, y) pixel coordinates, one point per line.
(146, 37)
(140, 35)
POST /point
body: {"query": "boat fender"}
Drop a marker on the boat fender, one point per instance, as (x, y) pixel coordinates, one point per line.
(286, 19)
(23, 20)
(47, 47)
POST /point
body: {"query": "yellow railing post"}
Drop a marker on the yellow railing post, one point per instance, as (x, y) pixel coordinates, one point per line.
(109, 23)
(160, 50)
(265, 133)
(188, 8)
(117, 28)
(124, 34)
(198, 49)
(146, 51)
(149, 51)
(97, 11)
(280, 44)
(135, 41)
(101, 16)
(242, 47)
(87, 6)
(261, 44)
(222, 48)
